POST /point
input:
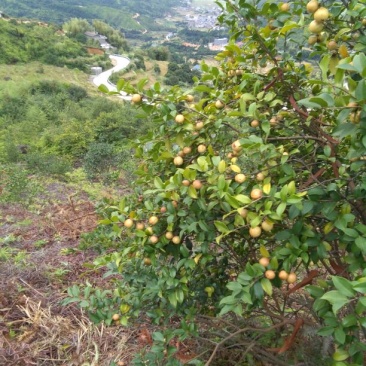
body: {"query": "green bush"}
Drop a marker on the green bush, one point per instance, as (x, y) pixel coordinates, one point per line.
(247, 228)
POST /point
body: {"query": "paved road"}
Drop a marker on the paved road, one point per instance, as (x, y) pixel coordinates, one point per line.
(120, 63)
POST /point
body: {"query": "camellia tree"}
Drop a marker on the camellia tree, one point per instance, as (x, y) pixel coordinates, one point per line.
(249, 218)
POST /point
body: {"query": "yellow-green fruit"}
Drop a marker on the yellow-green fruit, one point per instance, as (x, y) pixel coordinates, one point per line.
(254, 123)
(169, 235)
(240, 178)
(136, 98)
(283, 275)
(291, 278)
(197, 184)
(243, 212)
(316, 27)
(199, 125)
(186, 182)
(115, 317)
(332, 45)
(264, 261)
(321, 14)
(128, 223)
(219, 104)
(259, 176)
(189, 98)
(267, 225)
(256, 193)
(201, 148)
(236, 146)
(178, 160)
(285, 7)
(255, 232)
(187, 150)
(147, 261)
(270, 274)
(312, 6)
(153, 220)
(176, 240)
(312, 39)
(179, 118)
(153, 239)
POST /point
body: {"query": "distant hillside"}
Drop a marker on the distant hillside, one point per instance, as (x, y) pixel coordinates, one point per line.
(26, 42)
(120, 14)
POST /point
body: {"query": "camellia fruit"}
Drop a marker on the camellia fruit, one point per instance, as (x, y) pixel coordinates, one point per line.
(189, 98)
(128, 223)
(255, 232)
(283, 275)
(243, 212)
(178, 160)
(169, 235)
(197, 184)
(270, 274)
(199, 125)
(240, 178)
(259, 177)
(291, 278)
(187, 150)
(256, 193)
(219, 104)
(176, 239)
(162, 209)
(115, 317)
(312, 39)
(153, 239)
(136, 98)
(312, 6)
(267, 225)
(316, 27)
(285, 7)
(321, 14)
(254, 123)
(153, 220)
(179, 118)
(264, 261)
(332, 45)
(201, 148)
(186, 182)
(147, 261)
(140, 226)
(236, 146)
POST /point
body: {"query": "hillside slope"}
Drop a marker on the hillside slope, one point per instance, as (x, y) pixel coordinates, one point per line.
(121, 14)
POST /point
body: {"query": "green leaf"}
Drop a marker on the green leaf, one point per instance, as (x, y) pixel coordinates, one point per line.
(267, 286)
(360, 287)
(343, 286)
(340, 335)
(336, 299)
(220, 226)
(340, 355)
(360, 92)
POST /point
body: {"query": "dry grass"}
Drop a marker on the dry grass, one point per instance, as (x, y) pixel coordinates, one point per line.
(45, 338)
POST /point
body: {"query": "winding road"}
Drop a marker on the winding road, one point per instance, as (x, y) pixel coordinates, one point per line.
(120, 63)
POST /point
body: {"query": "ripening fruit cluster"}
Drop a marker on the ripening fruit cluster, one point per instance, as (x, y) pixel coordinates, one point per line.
(271, 274)
(320, 14)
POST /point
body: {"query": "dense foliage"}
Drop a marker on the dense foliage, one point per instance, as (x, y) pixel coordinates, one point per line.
(51, 127)
(26, 42)
(251, 196)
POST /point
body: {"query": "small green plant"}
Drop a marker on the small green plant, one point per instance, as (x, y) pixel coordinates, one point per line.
(40, 243)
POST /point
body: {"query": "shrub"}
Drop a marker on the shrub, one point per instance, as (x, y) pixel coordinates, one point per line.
(257, 194)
